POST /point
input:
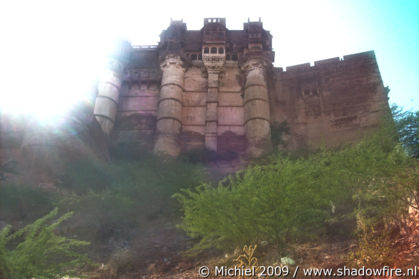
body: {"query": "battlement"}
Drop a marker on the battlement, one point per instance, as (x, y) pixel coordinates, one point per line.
(367, 57)
(299, 67)
(328, 61)
(253, 24)
(220, 20)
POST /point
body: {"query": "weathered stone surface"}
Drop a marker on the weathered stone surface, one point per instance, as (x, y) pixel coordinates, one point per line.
(137, 121)
(169, 114)
(192, 140)
(331, 103)
(229, 141)
(230, 99)
(217, 88)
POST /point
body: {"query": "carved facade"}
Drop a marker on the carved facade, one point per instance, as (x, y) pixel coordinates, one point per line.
(217, 89)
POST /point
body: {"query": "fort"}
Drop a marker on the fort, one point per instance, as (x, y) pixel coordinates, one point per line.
(217, 89)
(213, 90)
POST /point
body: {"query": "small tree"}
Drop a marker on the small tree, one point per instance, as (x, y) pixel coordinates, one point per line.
(35, 251)
(407, 124)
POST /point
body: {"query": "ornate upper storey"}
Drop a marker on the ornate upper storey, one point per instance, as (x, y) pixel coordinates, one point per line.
(214, 42)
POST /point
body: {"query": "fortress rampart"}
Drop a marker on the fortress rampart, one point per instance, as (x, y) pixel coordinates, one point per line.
(217, 89)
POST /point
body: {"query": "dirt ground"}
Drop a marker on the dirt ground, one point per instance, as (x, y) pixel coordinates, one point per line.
(159, 253)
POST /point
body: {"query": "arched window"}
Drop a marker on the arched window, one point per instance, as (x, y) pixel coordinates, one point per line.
(221, 50)
(193, 57)
(234, 57)
(228, 57)
(213, 50)
(206, 50)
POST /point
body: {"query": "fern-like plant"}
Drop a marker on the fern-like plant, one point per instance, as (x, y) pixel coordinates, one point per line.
(36, 251)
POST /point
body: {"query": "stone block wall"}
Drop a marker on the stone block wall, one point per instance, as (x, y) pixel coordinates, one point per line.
(217, 89)
(334, 102)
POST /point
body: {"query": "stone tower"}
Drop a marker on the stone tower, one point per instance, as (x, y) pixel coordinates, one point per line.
(106, 106)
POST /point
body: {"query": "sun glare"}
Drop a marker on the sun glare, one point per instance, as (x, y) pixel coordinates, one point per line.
(52, 52)
(52, 80)
(51, 61)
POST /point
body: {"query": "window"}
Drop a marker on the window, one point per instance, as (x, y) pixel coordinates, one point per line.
(199, 56)
(311, 92)
(221, 50)
(206, 50)
(213, 50)
(228, 56)
(234, 57)
(193, 57)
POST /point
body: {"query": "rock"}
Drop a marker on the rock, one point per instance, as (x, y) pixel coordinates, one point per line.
(287, 261)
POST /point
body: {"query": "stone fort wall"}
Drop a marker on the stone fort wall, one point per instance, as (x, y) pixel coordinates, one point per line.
(217, 89)
(334, 102)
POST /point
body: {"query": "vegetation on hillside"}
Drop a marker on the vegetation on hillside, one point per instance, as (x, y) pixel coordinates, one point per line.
(359, 192)
(36, 251)
(333, 194)
(111, 202)
(407, 125)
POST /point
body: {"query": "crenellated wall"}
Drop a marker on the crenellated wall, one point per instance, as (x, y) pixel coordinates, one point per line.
(336, 101)
(217, 89)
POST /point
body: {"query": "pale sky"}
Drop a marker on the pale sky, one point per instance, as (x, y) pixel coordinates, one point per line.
(52, 51)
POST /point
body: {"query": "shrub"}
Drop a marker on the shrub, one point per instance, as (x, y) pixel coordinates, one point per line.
(297, 199)
(35, 251)
(277, 202)
(24, 203)
(407, 125)
(374, 247)
(83, 175)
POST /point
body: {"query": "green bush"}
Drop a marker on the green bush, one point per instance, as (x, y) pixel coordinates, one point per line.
(35, 251)
(82, 176)
(407, 125)
(297, 199)
(23, 203)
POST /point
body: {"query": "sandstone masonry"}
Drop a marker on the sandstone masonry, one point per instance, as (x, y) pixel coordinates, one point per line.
(217, 89)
